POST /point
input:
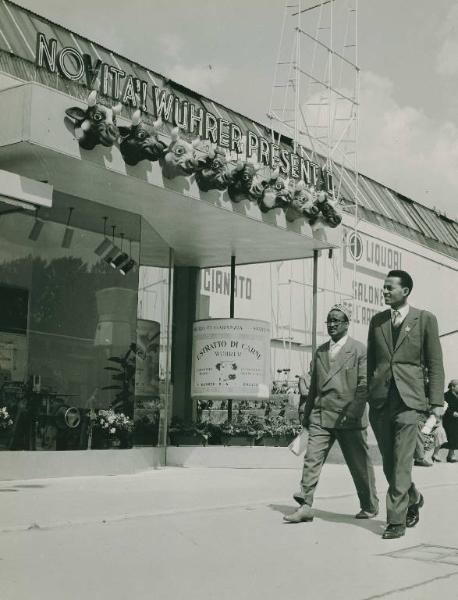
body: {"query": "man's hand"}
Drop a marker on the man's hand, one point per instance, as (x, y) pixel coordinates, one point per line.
(455, 414)
(437, 412)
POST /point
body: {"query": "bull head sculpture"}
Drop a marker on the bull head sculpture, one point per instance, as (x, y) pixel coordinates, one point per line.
(212, 167)
(96, 124)
(178, 158)
(241, 181)
(139, 143)
(276, 194)
(303, 202)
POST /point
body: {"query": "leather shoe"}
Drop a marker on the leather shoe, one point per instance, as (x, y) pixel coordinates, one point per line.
(452, 460)
(366, 514)
(436, 459)
(301, 515)
(299, 498)
(422, 463)
(413, 512)
(393, 531)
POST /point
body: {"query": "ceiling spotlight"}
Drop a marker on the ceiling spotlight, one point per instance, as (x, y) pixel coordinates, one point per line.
(103, 246)
(127, 267)
(37, 227)
(115, 251)
(119, 259)
(68, 235)
(106, 243)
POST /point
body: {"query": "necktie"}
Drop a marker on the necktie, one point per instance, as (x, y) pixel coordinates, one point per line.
(396, 319)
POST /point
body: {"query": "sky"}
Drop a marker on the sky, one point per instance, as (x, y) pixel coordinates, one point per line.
(226, 50)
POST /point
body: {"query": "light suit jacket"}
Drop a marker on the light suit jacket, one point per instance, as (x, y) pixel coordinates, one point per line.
(415, 363)
(338, 394)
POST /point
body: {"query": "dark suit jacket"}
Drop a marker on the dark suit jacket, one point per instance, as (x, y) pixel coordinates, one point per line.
(338, 395)
(417, 354)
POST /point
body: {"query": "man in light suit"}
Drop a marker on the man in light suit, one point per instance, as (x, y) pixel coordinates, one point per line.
(405, 378)
(335, 409)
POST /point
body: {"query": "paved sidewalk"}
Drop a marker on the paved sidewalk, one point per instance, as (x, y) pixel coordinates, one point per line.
(217, 534)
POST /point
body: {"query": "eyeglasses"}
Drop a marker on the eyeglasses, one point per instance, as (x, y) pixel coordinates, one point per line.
(334, 321)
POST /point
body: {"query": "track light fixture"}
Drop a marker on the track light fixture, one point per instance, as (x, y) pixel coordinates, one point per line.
(37, 227)
(130, 264)
(106, 243)
(114, 251)
(122, 258)
(127, 267)
(68, 235)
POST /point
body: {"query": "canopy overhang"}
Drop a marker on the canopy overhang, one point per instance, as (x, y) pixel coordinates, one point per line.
(203, 229)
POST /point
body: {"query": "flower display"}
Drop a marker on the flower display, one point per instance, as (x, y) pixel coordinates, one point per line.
(113, 423)
(5, 420)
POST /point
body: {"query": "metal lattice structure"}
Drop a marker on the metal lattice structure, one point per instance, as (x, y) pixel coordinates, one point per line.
(315, 97)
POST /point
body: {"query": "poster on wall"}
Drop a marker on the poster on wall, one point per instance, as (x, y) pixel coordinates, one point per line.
(147, 359)
(231, 359)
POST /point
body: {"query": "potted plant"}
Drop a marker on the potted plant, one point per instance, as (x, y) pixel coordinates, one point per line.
(279, 431)
(111, 429)
(6, 423)
(186, 434)
(244, 431)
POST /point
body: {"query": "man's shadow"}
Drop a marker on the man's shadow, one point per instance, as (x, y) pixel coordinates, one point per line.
(374, 525)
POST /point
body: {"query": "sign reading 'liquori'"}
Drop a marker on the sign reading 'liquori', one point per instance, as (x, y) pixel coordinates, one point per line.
(231, 359)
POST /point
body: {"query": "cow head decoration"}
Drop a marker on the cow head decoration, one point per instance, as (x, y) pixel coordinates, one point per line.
(241, 181)
(303, 202)
(96, 124)
(178, 158)
(140, 143)
(276, 194)
(212, 167)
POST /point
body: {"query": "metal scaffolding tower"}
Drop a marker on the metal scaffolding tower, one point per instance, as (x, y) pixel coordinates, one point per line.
(315, 96)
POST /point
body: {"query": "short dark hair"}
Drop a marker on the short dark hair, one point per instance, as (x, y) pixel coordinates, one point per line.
(406, 279)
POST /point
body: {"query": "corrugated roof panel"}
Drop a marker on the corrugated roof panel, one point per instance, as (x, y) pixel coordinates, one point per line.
(12, 32)
(376, 200)
(400, 209)
(432, 221)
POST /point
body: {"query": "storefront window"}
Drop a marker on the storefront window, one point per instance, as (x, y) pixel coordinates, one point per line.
(67, 326)
(152, 378)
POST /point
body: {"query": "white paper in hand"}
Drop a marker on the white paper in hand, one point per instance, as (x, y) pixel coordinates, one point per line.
(299, 445)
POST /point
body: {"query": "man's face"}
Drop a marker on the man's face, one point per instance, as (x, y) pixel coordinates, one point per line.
(337, 325)
(393, 292)
(454, 387)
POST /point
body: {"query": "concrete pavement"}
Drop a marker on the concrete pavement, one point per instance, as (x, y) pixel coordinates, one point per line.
(217, 534)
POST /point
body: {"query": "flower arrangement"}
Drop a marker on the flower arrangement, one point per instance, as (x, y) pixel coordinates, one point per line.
(5, 420)
(280, 427)
(113, 423)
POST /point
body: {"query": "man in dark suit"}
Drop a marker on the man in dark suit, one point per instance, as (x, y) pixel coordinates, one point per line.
(405, 377)
(335, 409)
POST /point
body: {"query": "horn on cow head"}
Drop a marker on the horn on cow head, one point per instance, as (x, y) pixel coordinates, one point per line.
(274, 175)
(92, 98)
(136, 117)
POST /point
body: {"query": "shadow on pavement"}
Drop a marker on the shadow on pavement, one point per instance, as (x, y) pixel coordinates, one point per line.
(374, 525)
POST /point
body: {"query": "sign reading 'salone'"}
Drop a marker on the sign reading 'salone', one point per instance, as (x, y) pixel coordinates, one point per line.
(231, 359)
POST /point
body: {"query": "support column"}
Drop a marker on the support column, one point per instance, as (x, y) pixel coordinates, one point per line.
(184, 314)
(314, 300)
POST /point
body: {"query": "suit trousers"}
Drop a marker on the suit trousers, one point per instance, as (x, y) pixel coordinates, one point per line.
(396, 429)
(353, 443)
